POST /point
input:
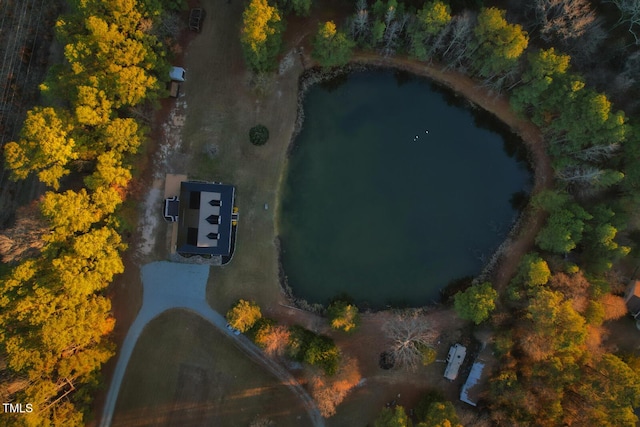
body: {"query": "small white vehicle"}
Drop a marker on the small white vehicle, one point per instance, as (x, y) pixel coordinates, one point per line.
(232, 329)
(177, 74)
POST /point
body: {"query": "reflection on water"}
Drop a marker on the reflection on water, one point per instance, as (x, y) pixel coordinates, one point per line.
(394, 190)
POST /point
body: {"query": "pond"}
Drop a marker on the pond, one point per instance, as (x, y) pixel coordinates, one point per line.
(392, 190)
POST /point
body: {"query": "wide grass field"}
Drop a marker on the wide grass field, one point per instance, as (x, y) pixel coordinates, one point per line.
(184, 372)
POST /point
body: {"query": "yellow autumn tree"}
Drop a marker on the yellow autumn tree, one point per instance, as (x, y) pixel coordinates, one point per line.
(44, 147)
(261, 35)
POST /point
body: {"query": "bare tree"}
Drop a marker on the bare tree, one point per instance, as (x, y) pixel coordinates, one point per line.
(583, 49)
(563, 19)
(360, 22)
(394, 25)
(580, 174)
(574, 287)
(573, 23)
(598, 153)
(499, 82)
(459, 31)
(262, 422)
(628, 77)
(629, 15)
(588, 180)
(274, 340)
(410, 334)
(168, 26)
(329, 392)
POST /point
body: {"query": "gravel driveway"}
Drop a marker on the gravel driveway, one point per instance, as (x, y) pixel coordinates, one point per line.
(168, 285)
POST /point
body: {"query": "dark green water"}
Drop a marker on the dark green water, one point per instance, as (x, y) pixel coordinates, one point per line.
(369, 210)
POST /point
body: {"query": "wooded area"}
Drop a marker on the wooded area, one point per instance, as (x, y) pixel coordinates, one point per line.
(555, 59)
(330, 376)
(54, 315)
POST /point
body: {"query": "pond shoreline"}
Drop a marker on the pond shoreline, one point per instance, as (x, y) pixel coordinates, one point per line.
(519, 240)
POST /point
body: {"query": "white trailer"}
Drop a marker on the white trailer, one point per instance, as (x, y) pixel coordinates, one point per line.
(456, 356)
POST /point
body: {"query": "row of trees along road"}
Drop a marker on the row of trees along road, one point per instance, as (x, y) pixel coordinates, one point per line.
(55, 318)
(555, 368)
(329, 375)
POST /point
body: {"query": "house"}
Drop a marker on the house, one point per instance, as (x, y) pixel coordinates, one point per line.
(632, 298)
(205, 219)
(455, 358)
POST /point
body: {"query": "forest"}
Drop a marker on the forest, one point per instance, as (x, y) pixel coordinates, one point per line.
(570, 66)
(55, 316)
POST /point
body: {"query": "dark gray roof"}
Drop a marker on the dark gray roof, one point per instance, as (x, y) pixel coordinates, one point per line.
(469, 392)
(632, 298)
(204, 222)
(633, 305)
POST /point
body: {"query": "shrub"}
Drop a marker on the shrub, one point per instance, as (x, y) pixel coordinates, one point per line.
(343, 316)
(428, 354)
(476, 303)
(316, 350)
(259, 135)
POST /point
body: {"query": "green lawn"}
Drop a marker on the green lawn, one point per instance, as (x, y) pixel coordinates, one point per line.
(185, 372)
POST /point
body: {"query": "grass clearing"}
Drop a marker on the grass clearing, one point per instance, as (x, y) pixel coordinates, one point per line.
(185, 372)
(223, 106)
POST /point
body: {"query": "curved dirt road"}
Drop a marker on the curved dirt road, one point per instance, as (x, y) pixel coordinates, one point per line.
(168, 286)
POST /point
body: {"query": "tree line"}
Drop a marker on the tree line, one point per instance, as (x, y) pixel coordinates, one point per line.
(330, 376)
(433, 410)
(55, 315)
(555, 369)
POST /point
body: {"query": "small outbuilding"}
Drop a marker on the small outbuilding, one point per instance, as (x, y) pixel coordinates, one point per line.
(470, 389)
(456, 356)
